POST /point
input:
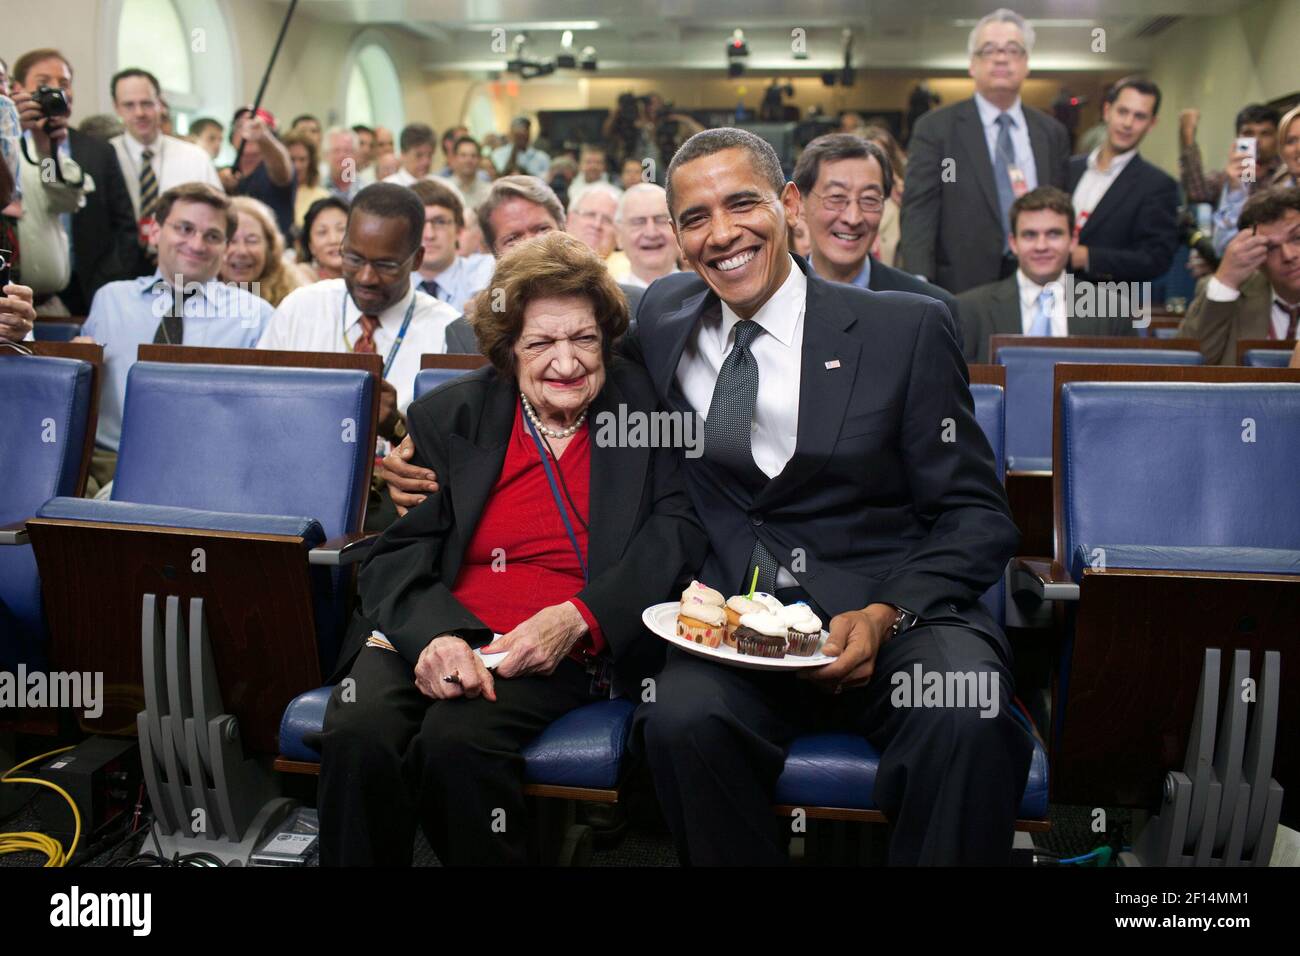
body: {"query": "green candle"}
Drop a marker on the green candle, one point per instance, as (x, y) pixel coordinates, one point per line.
(753, 583)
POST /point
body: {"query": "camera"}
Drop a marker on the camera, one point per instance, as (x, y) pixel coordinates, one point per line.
(52, 101)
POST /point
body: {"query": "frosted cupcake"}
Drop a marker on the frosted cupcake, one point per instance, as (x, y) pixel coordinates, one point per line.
(803, 629)
(737, 607)
(761, 634)
(702, 623)
(770, 603)
(703, 593)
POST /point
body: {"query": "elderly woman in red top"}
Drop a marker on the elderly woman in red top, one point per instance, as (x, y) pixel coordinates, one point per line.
(539, 534)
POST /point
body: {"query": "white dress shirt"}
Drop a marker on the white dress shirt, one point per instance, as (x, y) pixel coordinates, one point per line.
(323, 318)
(1029, 292)
(471, 198)
(1019, 138)
(1217, 291)
(1093, 184)
(174, 162)
(779, 354)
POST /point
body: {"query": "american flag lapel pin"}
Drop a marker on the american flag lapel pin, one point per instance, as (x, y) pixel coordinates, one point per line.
(833, 363)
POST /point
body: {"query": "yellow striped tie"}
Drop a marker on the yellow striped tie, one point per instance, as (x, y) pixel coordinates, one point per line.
(148, 186)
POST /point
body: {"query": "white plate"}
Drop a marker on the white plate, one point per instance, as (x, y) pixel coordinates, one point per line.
(662, 620)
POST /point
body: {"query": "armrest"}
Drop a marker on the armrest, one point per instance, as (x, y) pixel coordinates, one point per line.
(15, 533)
(345, 549)
(1044, 578)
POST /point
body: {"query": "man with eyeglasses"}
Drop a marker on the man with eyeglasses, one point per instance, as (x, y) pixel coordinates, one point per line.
(443, 274)
(181, 303)
(374, 307)
(591, 218)
(970, 161)
(645, 233)
(843, 182)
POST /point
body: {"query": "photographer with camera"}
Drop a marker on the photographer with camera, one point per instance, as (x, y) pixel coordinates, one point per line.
(79, 211)
(644, 127)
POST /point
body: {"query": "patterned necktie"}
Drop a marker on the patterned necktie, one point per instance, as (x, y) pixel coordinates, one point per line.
(171, 330)
(1293, 316)
(1042, 324)
(366, 344)
(729, 428)
(148, 186)
(1006, 158)
(438, 292)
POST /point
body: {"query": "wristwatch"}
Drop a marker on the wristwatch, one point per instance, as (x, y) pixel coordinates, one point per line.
(905, 620)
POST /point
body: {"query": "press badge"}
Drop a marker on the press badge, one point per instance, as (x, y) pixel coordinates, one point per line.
(1019, 185)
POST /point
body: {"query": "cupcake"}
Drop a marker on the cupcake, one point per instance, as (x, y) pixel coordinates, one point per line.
(803, 629)
(736, 607)
(770, 603)
(761, 634)
(702, 623)
(704, 593)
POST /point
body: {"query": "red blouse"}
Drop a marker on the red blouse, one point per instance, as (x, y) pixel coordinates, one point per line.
(520, 559)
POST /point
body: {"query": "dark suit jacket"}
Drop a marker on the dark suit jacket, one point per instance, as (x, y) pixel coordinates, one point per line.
(885, 278)
(952, 231)
(1217, 326)
(461, 339)
(1132, 234)
(105, 237)
(995, 308)
(645, 540)
(873, 507)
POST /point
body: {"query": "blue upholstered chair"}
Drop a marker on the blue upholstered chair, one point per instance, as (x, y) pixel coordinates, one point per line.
(1030, 389)
(437, 370)
(46, 419)
(828, 774)
(1266, 358)
(56, 331)
(1175, 533)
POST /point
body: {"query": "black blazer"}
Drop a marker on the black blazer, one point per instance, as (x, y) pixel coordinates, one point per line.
(995, 308)
(952, 225)
(874, 506)
(105, 237)
(645, 540)
(462, 341)
(885, 278)
(1133, 233)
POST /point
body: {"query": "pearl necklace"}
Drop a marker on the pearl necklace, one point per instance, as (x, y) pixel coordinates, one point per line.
(545, 430)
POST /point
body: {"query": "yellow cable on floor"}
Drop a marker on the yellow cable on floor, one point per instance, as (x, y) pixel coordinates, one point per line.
(21, 842)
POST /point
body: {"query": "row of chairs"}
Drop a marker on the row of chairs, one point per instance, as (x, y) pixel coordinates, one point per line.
(264, 428)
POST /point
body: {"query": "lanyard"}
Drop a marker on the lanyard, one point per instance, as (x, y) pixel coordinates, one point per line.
(555, 493)
(397, 343)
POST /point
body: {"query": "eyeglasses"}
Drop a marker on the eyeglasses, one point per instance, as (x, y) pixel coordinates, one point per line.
(187, 230)
(1013, 50)
(838, 202)
(386, 268)
(637, 223)
(591, 215)
(439, 222)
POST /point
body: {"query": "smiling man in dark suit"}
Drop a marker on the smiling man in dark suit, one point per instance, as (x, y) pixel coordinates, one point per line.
(825, 466)
(843, 181)
(1126, 210)
(968, 162)
(842, 458)
(1032, 301)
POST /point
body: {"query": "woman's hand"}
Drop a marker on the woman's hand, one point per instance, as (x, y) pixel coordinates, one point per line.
(449, 656)
(539, 644)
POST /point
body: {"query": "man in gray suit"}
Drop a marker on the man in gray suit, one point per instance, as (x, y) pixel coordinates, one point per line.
(1255, 292)
(1036, 300)
(968, 162)
(517, 208)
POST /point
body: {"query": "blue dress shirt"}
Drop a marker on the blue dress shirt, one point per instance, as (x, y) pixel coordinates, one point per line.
(465, 276)
(126, 314)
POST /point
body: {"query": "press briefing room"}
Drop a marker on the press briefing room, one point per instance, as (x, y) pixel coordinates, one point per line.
(623, 435)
